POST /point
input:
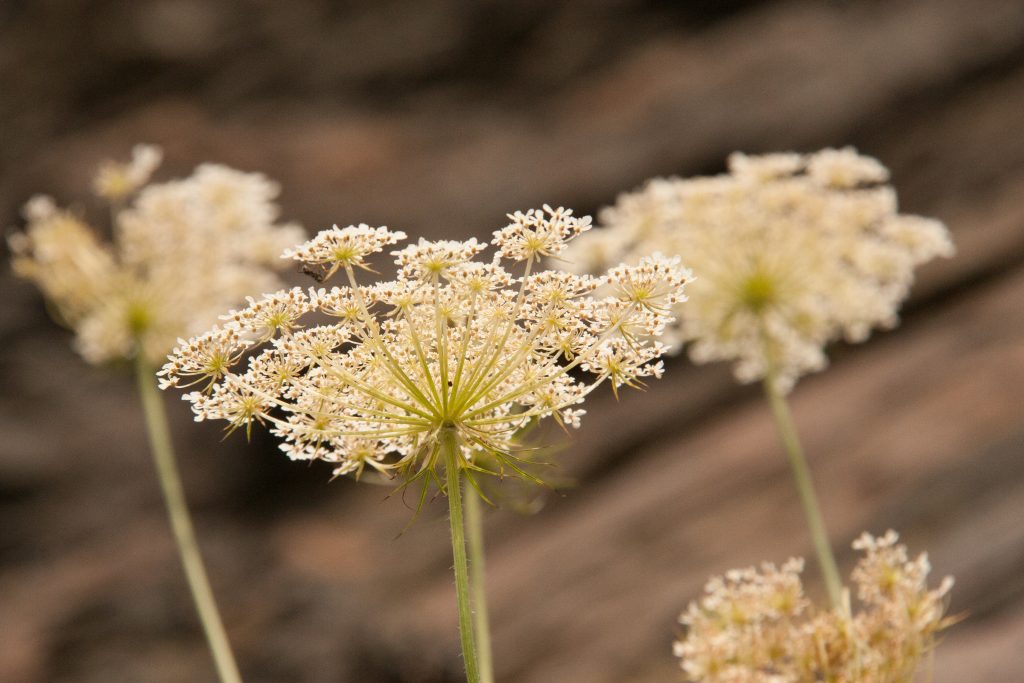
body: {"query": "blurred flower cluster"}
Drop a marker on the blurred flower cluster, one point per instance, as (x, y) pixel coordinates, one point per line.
(790, 251)
(758, 626)
(182, 252)
(451, 348)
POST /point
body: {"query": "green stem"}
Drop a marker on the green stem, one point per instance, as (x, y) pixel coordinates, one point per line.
(181, 524)
(478, 583)
(452, 453)
(805, 487)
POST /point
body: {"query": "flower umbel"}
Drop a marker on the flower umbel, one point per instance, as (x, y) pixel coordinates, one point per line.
(182, 252)
(757, 625)
(790, 252)
(450, 346)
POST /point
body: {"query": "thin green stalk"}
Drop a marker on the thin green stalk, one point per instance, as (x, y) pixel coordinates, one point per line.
(478, 584)
(452, 454)
(805, 487)
(181, 524)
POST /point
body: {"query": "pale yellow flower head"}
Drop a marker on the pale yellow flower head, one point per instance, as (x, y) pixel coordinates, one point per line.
(789, 252)
(757, 624)
(452, 346)
(182, 252)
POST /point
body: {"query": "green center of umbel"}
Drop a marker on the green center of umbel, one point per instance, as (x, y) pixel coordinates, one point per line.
(758, 292)
(139, 318)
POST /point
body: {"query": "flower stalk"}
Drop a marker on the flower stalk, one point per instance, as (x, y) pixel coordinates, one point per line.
(452, 453)
(181, 524)
(805, 487)
(478, 583)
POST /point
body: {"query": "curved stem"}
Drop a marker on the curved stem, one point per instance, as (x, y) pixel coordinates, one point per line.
(477, 577)
(452, 454)
(805, 487)
(181, 524)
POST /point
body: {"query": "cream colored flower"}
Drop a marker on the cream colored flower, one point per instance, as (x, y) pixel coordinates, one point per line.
(451, 344)
(789, 251)
(182, 253)
(538, 232)
(757, 625)
(337, 248)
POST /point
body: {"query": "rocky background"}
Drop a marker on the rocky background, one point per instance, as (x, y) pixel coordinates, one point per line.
(437, 118)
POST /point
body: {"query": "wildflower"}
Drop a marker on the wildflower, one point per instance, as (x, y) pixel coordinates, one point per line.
(451, 346)
(436, 370)
(182, 253)
(790, 252)
(757, 625)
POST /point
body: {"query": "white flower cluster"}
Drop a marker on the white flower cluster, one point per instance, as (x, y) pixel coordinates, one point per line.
(182, 252)
(790, 251)
(452, 345)
(757, 625)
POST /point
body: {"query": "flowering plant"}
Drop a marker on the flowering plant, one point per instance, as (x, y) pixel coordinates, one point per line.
(182, 251)
(437, 369)
(790, 252)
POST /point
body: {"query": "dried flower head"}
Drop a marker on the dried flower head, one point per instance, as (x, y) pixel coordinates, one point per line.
(182, 252)
(757, 625)
(790, 251)
(452, 346)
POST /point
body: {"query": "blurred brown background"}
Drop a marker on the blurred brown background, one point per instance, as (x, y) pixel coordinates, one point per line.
(437, 118)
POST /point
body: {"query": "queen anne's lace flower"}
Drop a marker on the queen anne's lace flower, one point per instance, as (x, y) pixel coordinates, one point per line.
(182, 252)
(451, 345)
(789, 251)
(757, 625)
